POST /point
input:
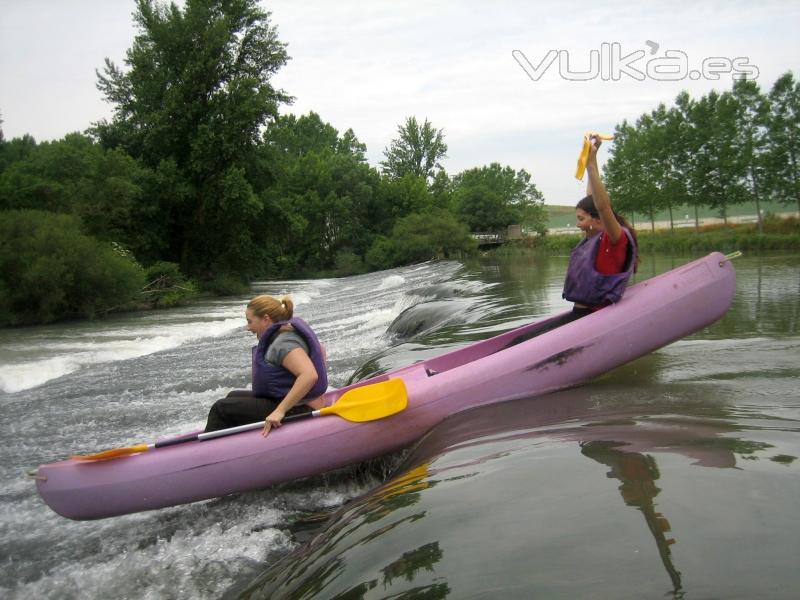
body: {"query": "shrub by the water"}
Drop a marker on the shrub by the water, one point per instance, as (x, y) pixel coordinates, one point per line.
(51, 270)
(226, 285)
(166, 286)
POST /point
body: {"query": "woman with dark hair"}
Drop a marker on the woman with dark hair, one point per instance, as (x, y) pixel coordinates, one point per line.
(602, 262)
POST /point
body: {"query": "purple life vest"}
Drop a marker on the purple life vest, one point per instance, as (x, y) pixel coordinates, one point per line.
(275, 382)
(585, 284)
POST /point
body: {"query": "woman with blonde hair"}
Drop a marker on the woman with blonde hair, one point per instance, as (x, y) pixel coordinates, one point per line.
(288, 364)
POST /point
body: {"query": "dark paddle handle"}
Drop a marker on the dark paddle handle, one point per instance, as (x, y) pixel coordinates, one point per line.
(298, 416)
(189, 437)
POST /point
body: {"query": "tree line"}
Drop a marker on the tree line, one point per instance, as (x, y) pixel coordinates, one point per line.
(720, 150)
(200, 179)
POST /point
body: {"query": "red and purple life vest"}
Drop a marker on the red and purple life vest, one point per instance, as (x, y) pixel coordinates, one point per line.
(272, 381)
(584, 284)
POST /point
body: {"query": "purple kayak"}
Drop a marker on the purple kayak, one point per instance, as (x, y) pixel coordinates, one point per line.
(651, 314)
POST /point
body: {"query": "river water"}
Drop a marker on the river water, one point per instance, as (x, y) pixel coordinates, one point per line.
(675, 475)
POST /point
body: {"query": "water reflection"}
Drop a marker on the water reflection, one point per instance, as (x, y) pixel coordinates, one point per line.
(395, 542)
(638, 474)
(364, 524)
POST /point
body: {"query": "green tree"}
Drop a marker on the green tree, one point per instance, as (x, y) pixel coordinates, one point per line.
(441, 190)
(623, 169)
(492, 197)
(319, 195)
(405, 195)
(752, 124)
(107, 189)
(647, 171)
(195, 96)
(425, 236)
(686, 156)
(783, 153)
(717, 172)
(417, 150)
(641, 173)
(668, 149)
(50, 270)
(15, 150)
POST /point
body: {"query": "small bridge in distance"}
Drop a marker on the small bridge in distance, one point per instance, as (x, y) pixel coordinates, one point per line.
(493, 239)
(488, 239)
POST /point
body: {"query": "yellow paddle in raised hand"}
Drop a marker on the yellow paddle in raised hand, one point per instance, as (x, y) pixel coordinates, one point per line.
(364, 403)
(583, 157)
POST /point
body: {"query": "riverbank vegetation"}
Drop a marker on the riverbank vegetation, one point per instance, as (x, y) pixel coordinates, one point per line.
(201, 181)
(716, 152)
(777, 235)
(201, 173)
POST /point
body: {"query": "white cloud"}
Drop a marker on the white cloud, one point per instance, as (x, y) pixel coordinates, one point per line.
(367, 66)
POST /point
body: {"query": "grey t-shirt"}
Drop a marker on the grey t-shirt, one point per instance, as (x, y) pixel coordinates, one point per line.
(283, 344)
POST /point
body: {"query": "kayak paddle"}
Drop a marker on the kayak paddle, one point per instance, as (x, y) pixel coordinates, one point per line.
(365, 403)
(583, 157)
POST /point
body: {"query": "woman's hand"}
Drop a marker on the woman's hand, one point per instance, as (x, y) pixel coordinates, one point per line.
(273, 420)
(300, 365)
(596, 141)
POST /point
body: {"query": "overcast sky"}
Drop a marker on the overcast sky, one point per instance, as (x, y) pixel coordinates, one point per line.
(478, 70)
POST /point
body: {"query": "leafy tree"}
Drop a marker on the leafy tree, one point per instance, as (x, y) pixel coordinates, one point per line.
(719, 180)
(669, 150)
(424, 236)
(195, 96)
(381, 254)
(50, 270)
(635, 150)
(441, 190)
(319, 194)
(784, 140)
(405, 195)
(752, 121)
(685, 150)
(717, 151)
(417, 151)
(106, 189)
(15, 150)
(493, 197)
(623, 168)
(297, 136)
(655, 170)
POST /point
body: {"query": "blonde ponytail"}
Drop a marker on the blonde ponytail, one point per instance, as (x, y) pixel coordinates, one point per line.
(268, 306)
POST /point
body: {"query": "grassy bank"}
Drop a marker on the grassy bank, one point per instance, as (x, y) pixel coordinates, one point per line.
(683, 215)
(779, 234)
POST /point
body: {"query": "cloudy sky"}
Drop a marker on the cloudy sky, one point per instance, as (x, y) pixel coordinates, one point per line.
(502, 79)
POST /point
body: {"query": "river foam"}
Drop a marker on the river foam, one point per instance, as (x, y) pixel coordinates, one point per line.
(70, 354)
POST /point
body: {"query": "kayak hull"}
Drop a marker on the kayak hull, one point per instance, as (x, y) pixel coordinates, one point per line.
(652, 313)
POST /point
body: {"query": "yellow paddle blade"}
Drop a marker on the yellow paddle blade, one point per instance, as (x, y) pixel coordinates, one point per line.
(370, 402)
(583, 157)
(113, 453)
(411, 481)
